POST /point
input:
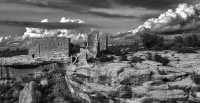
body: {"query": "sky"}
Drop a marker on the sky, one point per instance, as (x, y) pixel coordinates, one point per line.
(110, 16)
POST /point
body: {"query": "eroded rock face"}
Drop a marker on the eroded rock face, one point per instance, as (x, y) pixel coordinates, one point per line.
(60, 100)
(82, 58)
(120, 82)
(144, 82)
(29, 94)
(134, 77)
(44, 82)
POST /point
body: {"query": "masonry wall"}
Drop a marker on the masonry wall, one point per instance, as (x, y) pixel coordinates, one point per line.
(97, 42)
(103, 43)
(50, 47)
(34, 48)
(93, 42)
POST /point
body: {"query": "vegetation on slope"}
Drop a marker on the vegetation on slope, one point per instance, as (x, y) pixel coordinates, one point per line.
(10, 53)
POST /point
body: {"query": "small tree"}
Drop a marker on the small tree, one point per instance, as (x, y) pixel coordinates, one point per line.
(178, 40)
(191, 40)
(151, 40)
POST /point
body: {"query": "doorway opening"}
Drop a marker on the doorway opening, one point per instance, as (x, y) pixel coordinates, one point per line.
(33, 55)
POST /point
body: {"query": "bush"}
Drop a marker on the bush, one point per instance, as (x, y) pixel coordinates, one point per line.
(27, 79)
(120, 50)
(196, 78)
(160, 59)
(136, 59)
(157, 48)
(10, 53)
(123, 58)
(151, 40)
(191, 40)
(168, 46)
(92, 60)
(105, 58)
(5, 89)
(187, 41)
(187, 44)
(185, 50)
(178, 40)
(150, 56)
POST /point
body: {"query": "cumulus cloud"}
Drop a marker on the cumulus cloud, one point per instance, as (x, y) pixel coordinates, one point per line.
(184, 17)
(32, 32)
(105, 7)
(40, 32)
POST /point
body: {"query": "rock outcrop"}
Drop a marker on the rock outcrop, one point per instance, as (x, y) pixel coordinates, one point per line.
(117, 82)
(29, 94)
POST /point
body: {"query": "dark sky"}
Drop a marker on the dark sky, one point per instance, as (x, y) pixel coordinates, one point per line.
(109, 15)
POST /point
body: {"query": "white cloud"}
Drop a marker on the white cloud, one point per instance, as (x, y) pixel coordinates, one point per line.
(124, 11)
(184, 17)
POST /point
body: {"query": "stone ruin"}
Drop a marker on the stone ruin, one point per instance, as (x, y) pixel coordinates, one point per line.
(49, 47)
(97, 42)
(60, 47)
(53, 47)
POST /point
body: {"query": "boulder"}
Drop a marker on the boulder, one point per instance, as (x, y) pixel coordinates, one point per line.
(168, 95)
(29, 94)
(124, 91)
(139, 91)
(16, 94)
(84, 97)
(134, 77)
(82, 58)
(60, 100)
(44, 82)
(170, 77)
(141, 100)
(111, 71)
(184, 84)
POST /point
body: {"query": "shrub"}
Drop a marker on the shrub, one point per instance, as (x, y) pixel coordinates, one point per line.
(168, 46)
(185, 50)
(92, 60)
(157, 48)
(5, 89)
(26, 79)
(151, 40)
(196, 78)
(187, 41)
(123, 58)
(17, 86)
(105, 58)
(136, 59)
(160, 59)
(10, 53)
(150, 56)
(178, 40)
(191, 40)
(103, 52)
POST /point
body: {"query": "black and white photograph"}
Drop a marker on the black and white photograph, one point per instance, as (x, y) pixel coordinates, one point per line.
(99, 51)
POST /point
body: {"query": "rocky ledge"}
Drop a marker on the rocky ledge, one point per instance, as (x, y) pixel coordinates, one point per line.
(24, 60)
(111, 82)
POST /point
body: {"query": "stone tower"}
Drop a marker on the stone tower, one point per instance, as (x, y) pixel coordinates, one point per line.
(97, 42)
(49, 47)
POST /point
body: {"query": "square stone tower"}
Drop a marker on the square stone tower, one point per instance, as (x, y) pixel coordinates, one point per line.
(97, 42)
(49, 47)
